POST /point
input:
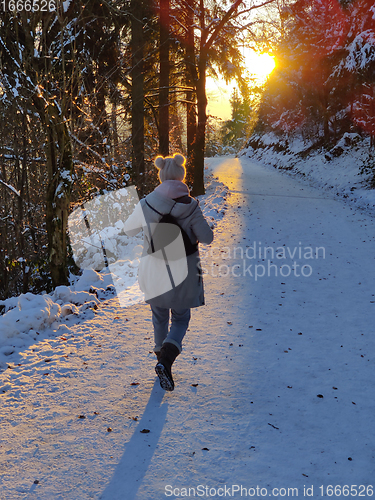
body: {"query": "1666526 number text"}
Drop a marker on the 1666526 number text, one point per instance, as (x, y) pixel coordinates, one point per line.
(28, 5)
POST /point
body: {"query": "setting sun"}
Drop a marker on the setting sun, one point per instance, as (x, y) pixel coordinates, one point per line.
(259, 65)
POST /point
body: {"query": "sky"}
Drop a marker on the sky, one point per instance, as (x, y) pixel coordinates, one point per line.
(218, 95)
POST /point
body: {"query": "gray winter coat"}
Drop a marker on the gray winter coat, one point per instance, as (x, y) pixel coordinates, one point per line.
(167, 281)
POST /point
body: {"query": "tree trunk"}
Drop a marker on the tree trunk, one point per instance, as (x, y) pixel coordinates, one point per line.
(114, 131)
(198, 185)
(21, 201)
(164, 79)
(190, 82)
(59, 186)
(137, 95)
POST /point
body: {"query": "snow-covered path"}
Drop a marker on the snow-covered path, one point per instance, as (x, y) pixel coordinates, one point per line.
(274, 389)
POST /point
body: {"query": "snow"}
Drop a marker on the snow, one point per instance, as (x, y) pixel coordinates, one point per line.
(360, 51)
(66, 5)
(337, 172)
(274, 387)
(32, 317)
(13, 189)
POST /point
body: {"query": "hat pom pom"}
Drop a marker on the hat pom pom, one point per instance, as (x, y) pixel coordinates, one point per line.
(159, 162)
(179, 159)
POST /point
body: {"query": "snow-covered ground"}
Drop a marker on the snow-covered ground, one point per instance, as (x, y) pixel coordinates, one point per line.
(274, 388)
(338, 171)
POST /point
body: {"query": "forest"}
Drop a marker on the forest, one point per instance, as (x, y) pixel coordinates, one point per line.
(91, 91)
(323, 87)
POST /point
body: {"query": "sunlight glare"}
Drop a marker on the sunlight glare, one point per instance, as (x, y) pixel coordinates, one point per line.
(260, 65)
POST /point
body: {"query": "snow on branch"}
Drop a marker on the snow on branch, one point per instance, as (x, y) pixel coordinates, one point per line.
(89, 149)
(14, 190)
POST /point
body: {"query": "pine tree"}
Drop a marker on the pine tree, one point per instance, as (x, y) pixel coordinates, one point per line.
(235, 131)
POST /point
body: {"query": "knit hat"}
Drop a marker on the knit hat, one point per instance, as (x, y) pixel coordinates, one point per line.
(171, 167)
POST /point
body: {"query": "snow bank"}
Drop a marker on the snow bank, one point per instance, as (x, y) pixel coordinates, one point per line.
(29, 317)
(338, 171)
(213, 202)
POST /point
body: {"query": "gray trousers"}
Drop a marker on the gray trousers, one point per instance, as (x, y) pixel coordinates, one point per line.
(179, 323)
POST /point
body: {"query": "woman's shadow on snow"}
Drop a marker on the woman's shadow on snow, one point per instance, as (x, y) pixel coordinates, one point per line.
(134, 464)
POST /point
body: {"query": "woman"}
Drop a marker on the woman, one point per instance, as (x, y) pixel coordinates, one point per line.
(169, 272)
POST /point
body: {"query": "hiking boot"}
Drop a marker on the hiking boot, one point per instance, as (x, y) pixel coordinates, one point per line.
(168, 354)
